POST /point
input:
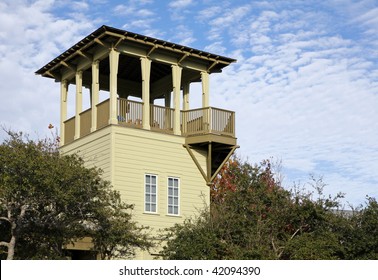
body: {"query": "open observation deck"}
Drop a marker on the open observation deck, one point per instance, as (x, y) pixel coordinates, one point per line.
(202, 122)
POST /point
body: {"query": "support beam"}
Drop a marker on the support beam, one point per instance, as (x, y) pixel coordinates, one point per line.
(209, 161)
(63, 109)
(79, 102)
(113, 61)
(188, 148)
(205, 89)
(176, 81)
(95, 94)
(230, 153)
(146, 72)
(209, 176)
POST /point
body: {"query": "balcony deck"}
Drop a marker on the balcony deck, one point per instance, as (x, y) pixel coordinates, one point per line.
(197, 125)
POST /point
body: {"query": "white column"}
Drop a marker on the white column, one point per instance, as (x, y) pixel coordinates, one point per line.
(94, 93)
(205, 89)
(113, 61)
(63, 109)
(176, 80)
(145, 64)
(79, 102)
(185, 105)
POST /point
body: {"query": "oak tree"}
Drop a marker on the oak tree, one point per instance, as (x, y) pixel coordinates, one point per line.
(48, 201)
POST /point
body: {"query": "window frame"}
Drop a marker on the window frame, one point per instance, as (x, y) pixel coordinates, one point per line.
(173, 196)
(150, 193)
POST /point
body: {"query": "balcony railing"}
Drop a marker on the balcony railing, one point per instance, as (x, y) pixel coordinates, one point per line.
(208, 120)
(161, 118)
(200, 121)
(130, 113)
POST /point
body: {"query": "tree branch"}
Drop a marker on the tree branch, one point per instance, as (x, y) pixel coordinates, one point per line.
(295, 233)
(5, 219)
(3, 243)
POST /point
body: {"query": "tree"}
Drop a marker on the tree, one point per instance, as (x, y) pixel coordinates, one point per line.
(48, 201)
(252, 217)
(360, 237)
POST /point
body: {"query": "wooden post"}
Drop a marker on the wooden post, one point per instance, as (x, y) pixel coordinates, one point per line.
(185, 105)
(94, 94)
(205, 89)
(113, 61)
(146, 71)
(176, 80)
(63, 109)
(79, 102)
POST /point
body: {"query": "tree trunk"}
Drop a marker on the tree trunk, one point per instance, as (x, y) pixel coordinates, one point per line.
(11, 246)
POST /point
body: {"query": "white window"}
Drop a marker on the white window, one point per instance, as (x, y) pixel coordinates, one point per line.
(173, 196)
(150, 191)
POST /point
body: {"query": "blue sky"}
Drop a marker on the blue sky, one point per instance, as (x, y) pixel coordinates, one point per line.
(305, 87)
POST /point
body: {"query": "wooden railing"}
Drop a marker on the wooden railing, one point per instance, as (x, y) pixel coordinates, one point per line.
(69, 130)
(130, 113)
(85, 122)
(103, 114)
(161, 118)
(208, 120)
(193, 122)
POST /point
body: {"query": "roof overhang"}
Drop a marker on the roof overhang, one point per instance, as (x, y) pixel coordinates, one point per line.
(96, 46)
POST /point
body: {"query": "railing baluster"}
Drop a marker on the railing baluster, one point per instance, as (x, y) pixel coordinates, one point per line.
(193, 122)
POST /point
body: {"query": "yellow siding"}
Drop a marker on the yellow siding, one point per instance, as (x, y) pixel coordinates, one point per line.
(94, 149)
(127, 154)
(139, 152)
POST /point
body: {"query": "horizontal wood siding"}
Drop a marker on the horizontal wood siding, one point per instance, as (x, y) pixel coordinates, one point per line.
(127, 154)
(139, 152)
(94, 149)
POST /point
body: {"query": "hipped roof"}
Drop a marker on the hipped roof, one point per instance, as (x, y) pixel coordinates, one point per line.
(114, 36)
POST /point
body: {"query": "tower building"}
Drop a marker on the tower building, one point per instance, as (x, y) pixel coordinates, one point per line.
(139, 127)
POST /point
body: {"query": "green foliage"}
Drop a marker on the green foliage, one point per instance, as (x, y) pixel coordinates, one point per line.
(48, 200)
(252, 217)
(361, 235)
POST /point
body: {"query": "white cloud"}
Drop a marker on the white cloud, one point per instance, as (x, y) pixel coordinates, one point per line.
(80, 5)
(303, 95)
(140, 24)
(135, 11)
(208, 13)
(179, 4)
(136, 16)
(184, 35)
(33, 36)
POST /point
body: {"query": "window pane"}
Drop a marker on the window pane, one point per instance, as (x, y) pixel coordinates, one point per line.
(153, 189)
(170, 182)
(153, 180)
(176, 183)
(153, 208)
(153, 198)
(175, 210)
(170, 209)
(148, 179)
(148, 207)
(170, 191)
(175, 201)
(176, 192)
(170, 200)
(148, 190)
